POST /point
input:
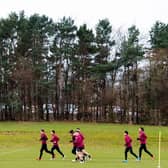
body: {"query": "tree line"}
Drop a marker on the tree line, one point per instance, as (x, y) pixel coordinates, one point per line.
(60, 71)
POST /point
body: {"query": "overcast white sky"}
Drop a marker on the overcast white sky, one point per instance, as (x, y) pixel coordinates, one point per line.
(121, 13)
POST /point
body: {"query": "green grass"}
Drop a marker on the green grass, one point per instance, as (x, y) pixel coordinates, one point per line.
(19, 145)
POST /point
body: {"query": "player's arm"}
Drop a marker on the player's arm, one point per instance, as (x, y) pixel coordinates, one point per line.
(44, 138)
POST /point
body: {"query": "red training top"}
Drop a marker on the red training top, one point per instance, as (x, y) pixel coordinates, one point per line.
(78, 140)
(43, 138)
(142, 137)
(82, 136)
(128, 141)
(55, 139)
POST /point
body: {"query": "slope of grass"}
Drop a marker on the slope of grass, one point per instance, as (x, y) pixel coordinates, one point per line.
(19, 145)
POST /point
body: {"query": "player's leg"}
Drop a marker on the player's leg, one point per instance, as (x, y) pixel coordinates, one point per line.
(74, 152)
(46, 149)
(79, 154)
(126, 154)
(86, 154)
(140, 151)
(41, 151)
(59, 151)
(145, 149)
(131, 151)
(52, 152)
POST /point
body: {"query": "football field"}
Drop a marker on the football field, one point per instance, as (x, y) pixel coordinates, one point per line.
(20, 145)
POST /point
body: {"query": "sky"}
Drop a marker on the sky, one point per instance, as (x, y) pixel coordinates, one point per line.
(121, 13)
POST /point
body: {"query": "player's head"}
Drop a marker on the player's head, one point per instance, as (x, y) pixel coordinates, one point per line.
(141, 129)
(125, 132)
(52, 131)
(71, 131)
(77, 129)
(42, 130)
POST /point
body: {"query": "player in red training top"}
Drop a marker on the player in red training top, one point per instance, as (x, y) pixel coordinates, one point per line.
(54, 140)
(73, 141)
(78, 141)
(43, 139)
(143, 138)
(128, 145)
(85, 153)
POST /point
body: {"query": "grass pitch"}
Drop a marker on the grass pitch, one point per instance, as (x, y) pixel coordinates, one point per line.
(19, 145)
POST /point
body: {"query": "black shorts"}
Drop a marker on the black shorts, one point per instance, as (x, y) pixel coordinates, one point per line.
(79, 149)
(74, 150)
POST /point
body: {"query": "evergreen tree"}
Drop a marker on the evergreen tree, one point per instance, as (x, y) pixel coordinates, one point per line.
(62, 56)
(131, 53)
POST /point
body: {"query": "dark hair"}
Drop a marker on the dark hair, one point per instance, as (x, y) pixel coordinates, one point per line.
(126, 132)
(53, 131)
(142, 128)
(71, 131)
(42, 130)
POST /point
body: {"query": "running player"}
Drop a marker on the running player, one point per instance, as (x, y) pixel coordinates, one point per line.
(54, 140)
(72, 140)
(85, 153)
(143, 138)
(78, 141)
(43, 139)
(128, 146)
